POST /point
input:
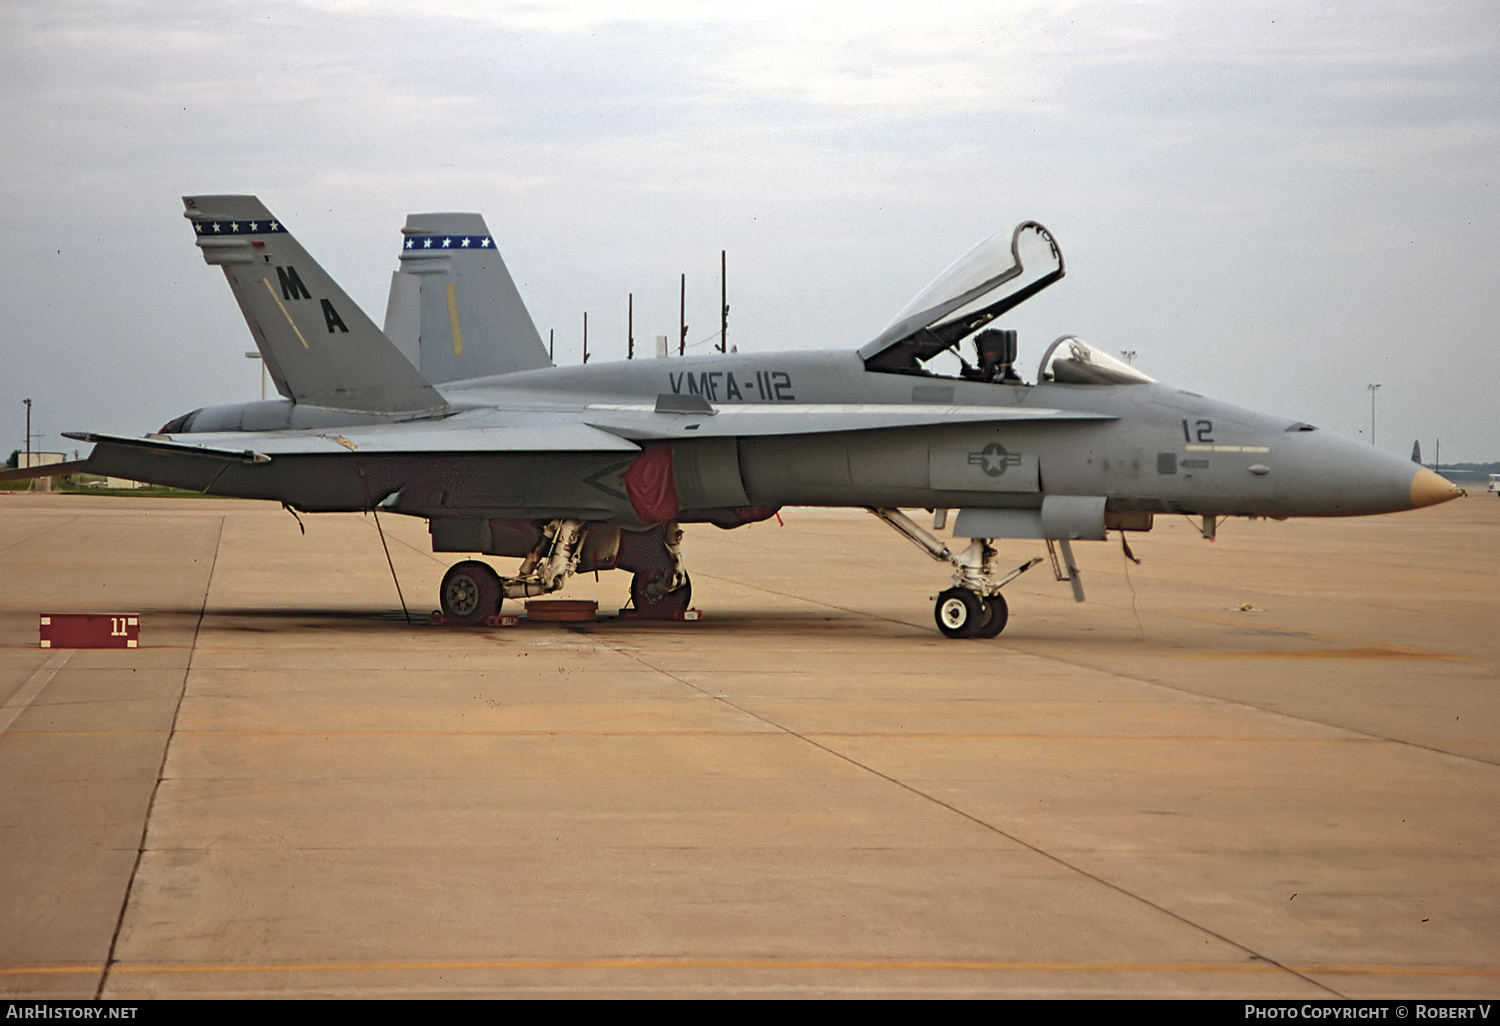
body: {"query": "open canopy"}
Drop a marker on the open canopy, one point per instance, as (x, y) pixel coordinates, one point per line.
(1000, 273)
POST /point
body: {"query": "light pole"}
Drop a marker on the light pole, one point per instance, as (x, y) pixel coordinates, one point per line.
(1372, 389)
(1130, 355)
(28, 431)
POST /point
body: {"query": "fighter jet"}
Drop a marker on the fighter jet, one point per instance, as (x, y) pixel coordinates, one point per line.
(454, 413)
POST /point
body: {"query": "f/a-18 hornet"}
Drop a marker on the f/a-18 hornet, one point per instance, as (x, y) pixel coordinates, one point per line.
(455, 413)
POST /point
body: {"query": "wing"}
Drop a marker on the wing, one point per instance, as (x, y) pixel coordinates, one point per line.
(455, 468)
(493, 463)
(671, 417)
(373, 439)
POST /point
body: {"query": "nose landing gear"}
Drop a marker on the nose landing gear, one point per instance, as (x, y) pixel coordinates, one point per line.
(973, 607)
(961, 613)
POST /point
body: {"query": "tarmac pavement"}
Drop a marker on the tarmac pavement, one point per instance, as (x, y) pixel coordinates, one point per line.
(1267, 766)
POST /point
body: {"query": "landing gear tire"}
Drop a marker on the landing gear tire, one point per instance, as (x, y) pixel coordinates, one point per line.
(997, 613)
(959, 613)
(665, 606)
(470, 592)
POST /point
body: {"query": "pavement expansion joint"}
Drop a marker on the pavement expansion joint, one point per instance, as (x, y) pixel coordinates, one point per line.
(166, 748)
(985, 824)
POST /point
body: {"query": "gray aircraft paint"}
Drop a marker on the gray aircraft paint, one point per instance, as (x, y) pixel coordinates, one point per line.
(319, 348)
(748, 430)
(454, 310)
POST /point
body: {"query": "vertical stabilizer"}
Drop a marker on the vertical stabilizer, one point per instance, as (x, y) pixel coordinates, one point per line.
(319, 347)
(454, 309)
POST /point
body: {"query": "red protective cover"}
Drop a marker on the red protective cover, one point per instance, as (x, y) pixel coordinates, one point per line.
(649, 484)
(90, 630)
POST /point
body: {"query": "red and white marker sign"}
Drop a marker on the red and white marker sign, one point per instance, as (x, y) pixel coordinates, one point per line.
(90, 630)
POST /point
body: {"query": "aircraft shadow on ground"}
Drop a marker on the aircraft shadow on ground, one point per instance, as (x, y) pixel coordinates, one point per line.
(280, 619)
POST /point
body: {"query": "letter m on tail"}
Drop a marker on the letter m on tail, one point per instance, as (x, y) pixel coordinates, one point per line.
(291, 285)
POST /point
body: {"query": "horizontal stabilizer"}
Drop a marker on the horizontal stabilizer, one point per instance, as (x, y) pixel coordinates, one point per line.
(165, 444)
(162, 462)
(319, 347)
(45, 470)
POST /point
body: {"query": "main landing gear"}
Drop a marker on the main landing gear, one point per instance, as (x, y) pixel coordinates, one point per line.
(652, 604)
(660, 589)
(472, 591)
(973, 607)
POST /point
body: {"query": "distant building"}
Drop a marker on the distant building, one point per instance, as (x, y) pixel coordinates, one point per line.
(25, 461)
(39, 459)
(20, 460)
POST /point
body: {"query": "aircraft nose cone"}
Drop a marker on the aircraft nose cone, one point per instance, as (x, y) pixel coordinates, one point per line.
(1429, 489)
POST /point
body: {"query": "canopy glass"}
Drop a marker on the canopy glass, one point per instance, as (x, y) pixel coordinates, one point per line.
(1072, 361)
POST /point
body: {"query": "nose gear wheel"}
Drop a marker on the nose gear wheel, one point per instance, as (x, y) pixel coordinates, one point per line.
(958, 612)
(961, 613)
(997, 615)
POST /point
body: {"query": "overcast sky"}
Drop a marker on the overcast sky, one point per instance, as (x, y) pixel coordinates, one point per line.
(1274, 203)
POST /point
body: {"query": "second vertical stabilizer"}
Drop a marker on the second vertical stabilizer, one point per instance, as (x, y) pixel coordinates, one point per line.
(454, 310)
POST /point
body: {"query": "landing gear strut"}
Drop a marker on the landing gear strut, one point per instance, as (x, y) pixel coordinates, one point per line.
(973, 607)
(472, 592)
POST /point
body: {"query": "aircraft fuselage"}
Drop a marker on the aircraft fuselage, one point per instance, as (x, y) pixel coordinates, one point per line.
(1156, 448)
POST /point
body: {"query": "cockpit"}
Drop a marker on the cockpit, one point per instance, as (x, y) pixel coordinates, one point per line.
(948, 321)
